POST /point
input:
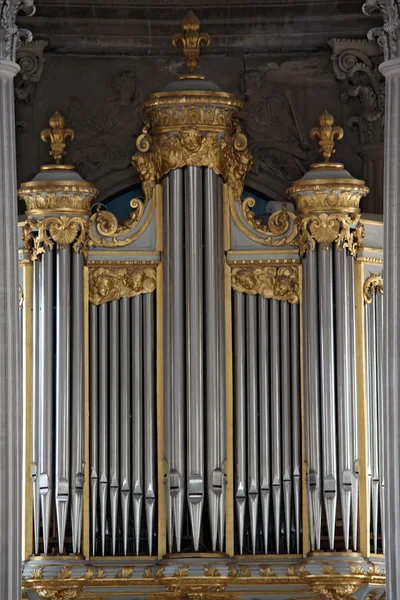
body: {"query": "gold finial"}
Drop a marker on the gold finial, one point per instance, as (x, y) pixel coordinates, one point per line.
(326, 133)
(191, 40)
(57, 134)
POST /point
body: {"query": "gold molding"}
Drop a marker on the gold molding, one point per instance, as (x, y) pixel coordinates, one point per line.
(345, 231)
(372, 285)
(227, 156)
(275, 283)
(41, 197)
(113, 283)
(326, 195)
(273, 233)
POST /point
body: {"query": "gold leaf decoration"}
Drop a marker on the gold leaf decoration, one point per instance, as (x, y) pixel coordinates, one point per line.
(100, 573)
(107, 284)
(280, 229)
(233, 572)
(42, 197)
(36, 573)
(356, 568)
(267, 572)
(181, 572)
(64, 573)
(105, 230)
(191, 39)
(244, 572)
(227, 156)
(329, 569)
(291, 571)
(148, 573)
(89, 573)
(276, 283)
(52, 594)
(345, 231)
(124, 573)
(211, 572)
(372, 285)
(63, 231)
(159, 572)
(302, 570)
(373, 569)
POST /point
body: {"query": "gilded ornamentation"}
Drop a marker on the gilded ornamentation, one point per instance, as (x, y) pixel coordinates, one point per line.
(64, 573)
(339, 591)
(291, 571)
(371, 286)
(113, 283)
(62, 230)
(267, 572)
(326, 133)
(372, 568)
(275, 283)
(375, 595)
(211, 572)
(181, 572)
(47, 197)
(345, 231)
(206, 113)
(36, 573)
(53, 594)
(239, 571)
(227, 156)
(326, 197)
(280, 229)
(191, 39)
(100, 574)
(329, 569)
(125, 573)
(57, 134)
(195, 592)
(105, 231)
(356, 569)
(90, 573)
(148, 573)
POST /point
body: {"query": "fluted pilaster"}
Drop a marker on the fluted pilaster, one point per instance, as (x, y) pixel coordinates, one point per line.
(10, 376)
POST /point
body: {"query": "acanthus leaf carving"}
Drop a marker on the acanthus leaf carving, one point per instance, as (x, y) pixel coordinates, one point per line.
(346, 231)
(387, 36)
(372, 285)
(10, 34)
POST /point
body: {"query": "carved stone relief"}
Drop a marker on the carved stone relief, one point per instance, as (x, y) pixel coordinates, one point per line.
(31, 61)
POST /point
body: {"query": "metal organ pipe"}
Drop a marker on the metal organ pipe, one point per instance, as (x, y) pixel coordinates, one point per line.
(94, 419)
(137, 415)
(240, 413)
(125, 413)
(103, 420)
(286, 419)
(36, 393)
(46, 401)
(149, 414)
(77, 401)
(296, 418)
(194, 341)
(264, 395)
(276, 472)
(62, 441)
(114, 419)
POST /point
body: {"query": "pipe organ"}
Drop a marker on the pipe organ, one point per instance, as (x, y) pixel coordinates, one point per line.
(202, 380)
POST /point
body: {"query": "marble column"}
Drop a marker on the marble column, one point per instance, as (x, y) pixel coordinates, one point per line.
(10, 368)
(389, 39)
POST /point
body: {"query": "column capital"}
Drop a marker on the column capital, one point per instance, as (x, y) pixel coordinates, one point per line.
(390, 68)
(10, 34)
(388, 36)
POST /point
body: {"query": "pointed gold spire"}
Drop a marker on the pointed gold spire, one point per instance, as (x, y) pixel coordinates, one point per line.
(57, 134)
(191, 40)
(326, 133)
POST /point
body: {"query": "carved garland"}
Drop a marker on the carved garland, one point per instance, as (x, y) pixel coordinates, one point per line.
(372, 285)
(227, 156)
(345, 231)
(113, 283)
(273, 283)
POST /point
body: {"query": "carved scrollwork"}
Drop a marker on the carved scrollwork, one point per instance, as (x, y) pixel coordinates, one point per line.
(274, 283)
(388, 35)
(10, 34)
(63, 231)
(227, 156)
(104, 229)
(279, 230)
(371, 286)
(345, 231)
(112, 283)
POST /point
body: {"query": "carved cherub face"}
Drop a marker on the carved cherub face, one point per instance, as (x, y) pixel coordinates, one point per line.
(134, 280)
(190, 139)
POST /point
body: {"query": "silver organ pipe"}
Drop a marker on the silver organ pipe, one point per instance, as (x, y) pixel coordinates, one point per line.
(36, 393)
(264, 395)
(194, 351)
(380, 399)
(125, 414)
(149, 416)
(77, 401)
(266, 400)
(63, 391)
(94, 421)
(137, 416)
(312, 406)
(46, 401)
(103, 421)
(114, 436)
